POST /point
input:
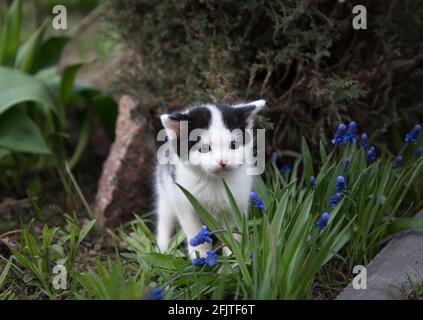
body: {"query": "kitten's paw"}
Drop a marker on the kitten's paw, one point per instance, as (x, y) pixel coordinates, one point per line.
(163, 246)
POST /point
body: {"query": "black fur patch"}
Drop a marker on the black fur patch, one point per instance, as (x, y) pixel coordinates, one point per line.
(197, 117)
(166, 169)
(235, 118)
(172, 170)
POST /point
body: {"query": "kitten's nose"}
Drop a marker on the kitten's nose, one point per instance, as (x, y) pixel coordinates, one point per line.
(222, 163)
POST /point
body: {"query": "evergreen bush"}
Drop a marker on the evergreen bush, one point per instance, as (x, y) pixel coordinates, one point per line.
(302, 56)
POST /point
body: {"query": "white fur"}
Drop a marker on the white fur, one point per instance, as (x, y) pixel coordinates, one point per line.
(173, 206)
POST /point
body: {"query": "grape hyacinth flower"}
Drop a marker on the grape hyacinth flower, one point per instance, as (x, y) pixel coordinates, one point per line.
(413, 134)
(371, 154)
(340, 135)
(286, 168)
(257, 201)
(334, 200)
(364, 143)
(199, 262)
(398, 162)
(346, 164)
(274, 156)
(313, 182)
(155, 294)
(201, 237)
(323, 221)
(351, 134)
(341, 184)
(210, 260)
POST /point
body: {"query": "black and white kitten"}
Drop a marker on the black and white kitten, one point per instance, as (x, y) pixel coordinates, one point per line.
(218, 147)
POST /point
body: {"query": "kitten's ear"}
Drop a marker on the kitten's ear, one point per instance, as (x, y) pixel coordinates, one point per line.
(249, 110)
(172, 124)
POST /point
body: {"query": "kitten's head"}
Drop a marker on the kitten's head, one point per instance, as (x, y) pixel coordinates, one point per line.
(214, 135)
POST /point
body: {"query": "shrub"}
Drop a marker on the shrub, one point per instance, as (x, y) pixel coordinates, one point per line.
(304, 57)
(36, 101)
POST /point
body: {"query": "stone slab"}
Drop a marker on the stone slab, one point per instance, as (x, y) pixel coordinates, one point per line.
(387, 272)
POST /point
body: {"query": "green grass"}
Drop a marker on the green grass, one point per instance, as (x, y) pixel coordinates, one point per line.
(281, 253)
(412, 290)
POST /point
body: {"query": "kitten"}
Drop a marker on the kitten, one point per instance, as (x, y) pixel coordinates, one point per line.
(221, 149)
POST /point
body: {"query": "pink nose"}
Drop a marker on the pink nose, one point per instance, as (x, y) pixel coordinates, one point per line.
(223, 163)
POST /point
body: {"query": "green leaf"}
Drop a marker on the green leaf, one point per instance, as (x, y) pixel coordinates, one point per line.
(85, 229)
(19, 133)
(307, 161)
(17, 87)
(5, 271)
(405, 224)
(236, 212)
(169, 262)
(323, 153)
(50, 52)
(205, 216)
(84, 138)
(212, 224)
(106, 110)
(66, 83)
(29, 52)
(10, 34)
(4, 152)
(260, 187)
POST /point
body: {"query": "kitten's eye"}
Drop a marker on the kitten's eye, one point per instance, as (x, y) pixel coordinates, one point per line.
(234, 145)
(204, 148)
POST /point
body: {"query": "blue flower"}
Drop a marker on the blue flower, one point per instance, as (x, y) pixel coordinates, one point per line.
(256, 200)
(340, 135)
(286, 168)
(341, 184)
(413, 134)
(371, 154)
(155, 294)
(398, 162)
(210, 260)
(334, 200)
(323, 221)
(201, 237)
(346, 164)
(351, 134)
(364, 141)
(199, 262)
(313, 182)
(274, 156)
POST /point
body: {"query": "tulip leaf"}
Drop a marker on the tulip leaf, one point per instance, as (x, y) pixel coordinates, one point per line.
(29, 52)
(17, 87)
(67, 81)
(10, 34)
(19, 133)
(50, 52)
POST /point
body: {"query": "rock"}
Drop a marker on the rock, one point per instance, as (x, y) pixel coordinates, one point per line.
(388, 272)
(125, 183)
